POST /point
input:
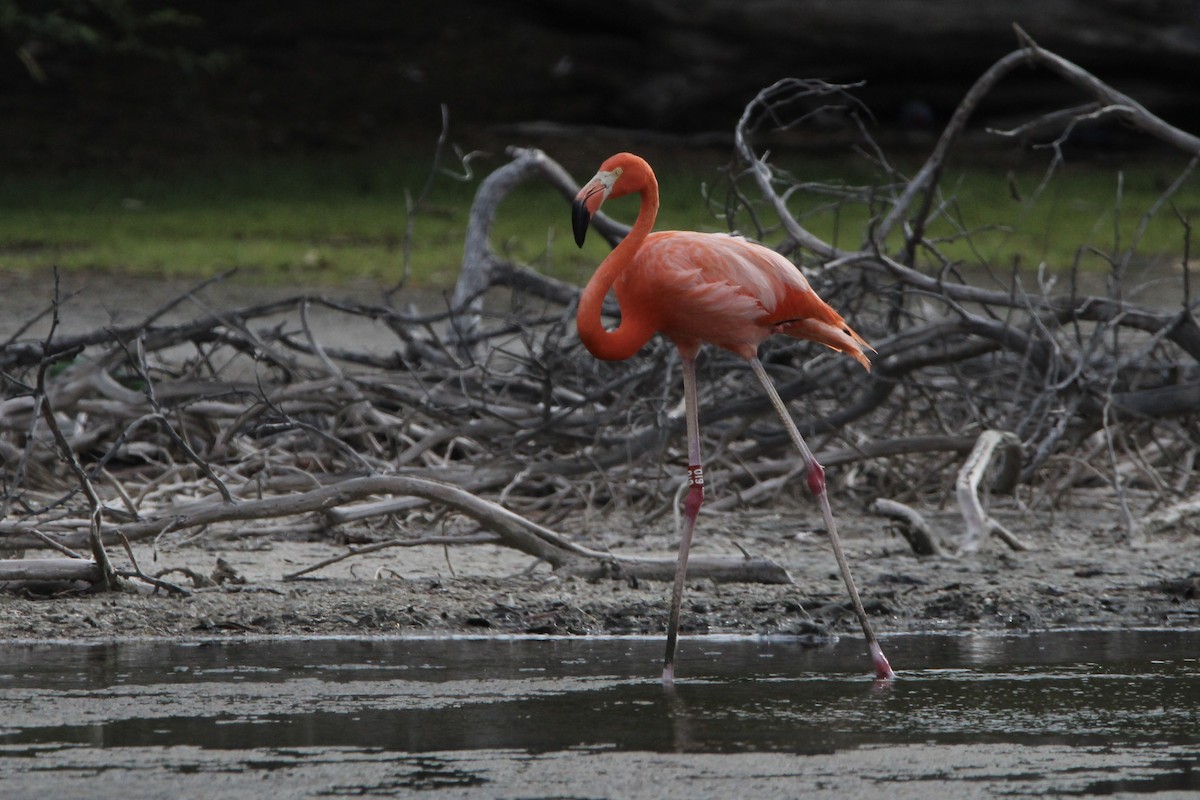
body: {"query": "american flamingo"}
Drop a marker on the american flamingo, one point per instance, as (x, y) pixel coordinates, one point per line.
(706, 287)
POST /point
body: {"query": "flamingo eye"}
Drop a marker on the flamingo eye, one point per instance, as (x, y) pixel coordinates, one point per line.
(608, 179)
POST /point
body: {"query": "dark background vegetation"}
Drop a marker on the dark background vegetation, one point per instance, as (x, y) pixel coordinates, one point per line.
(90, 82)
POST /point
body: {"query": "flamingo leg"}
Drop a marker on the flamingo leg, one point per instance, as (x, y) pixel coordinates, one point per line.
(691, 507)
(816, 484)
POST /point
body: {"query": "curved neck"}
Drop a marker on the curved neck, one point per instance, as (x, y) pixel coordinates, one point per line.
(635, 330)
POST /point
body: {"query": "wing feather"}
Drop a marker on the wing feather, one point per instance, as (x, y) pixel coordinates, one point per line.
(726, 290)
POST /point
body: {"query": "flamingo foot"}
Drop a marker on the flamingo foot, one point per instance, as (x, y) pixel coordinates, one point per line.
(883, 670)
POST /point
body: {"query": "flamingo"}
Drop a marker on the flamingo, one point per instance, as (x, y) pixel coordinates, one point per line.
(706, 287)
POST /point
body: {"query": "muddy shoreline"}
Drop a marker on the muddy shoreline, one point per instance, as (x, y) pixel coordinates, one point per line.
(1081, 574)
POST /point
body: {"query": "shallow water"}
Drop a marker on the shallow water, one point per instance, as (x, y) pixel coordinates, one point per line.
(1084, 713)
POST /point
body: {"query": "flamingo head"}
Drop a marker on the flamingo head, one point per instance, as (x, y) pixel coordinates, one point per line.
(619, 175)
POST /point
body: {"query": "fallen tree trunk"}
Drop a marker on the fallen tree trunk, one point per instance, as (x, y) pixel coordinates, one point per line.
(511, 529)
(53, 570)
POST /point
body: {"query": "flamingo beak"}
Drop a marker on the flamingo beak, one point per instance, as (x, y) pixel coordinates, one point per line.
(589, 200)
(580, 218)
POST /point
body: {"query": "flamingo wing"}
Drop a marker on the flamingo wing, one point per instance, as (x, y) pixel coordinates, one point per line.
(730, 292)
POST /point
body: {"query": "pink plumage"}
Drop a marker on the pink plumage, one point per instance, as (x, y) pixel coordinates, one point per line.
(729, 292)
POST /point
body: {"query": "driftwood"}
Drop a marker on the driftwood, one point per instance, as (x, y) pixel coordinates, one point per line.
(979, 523)
(976, 521)
(482, 267)
(50, 569)
(510, 529)
(219, 423)
(911, 525)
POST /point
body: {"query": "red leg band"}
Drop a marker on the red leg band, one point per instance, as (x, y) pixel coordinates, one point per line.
(816, 479)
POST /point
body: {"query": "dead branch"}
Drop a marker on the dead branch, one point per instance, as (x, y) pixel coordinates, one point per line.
(1062, 354)
(108, 576)
(51, 570)
(978, 523)
(482, 268)
(355, 551)
(911, 525)
(511, 529)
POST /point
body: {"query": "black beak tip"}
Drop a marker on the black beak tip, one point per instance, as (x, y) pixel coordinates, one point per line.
(579, 221)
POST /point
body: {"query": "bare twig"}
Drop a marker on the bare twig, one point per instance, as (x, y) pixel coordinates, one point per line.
(354, 552)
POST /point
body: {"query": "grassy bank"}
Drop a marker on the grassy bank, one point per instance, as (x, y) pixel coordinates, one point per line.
(333, 219)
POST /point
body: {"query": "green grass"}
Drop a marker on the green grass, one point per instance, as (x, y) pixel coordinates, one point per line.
(282, 219)
(998, 215)
(1087, 211)
(335, 219)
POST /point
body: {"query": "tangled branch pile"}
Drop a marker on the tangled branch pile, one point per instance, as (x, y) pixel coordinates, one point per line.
(233, 419)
